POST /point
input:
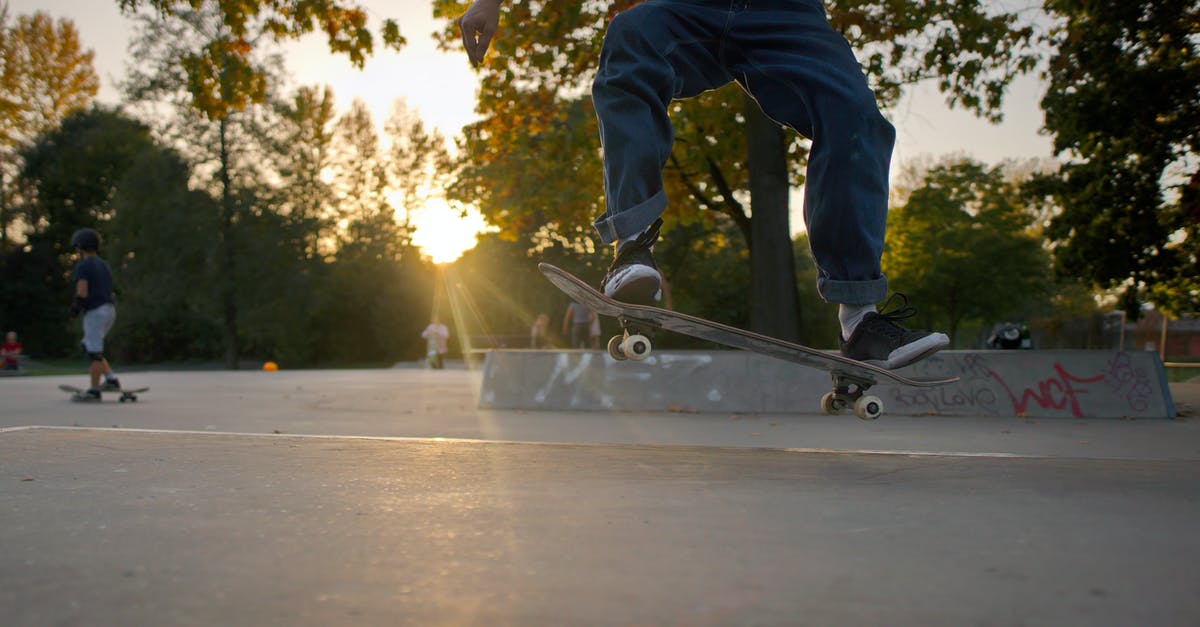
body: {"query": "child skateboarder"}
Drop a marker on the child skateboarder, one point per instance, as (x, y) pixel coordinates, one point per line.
(94, 300)
(804, 75)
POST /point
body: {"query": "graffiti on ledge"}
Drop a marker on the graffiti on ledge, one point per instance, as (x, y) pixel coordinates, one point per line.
(983, 389)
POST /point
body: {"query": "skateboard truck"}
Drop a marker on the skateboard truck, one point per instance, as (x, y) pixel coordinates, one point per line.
(128, 396)
(634, 343)
(850, 391)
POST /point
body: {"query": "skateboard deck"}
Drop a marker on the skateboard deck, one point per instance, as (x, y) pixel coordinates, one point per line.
(126, 394)
(851, 378)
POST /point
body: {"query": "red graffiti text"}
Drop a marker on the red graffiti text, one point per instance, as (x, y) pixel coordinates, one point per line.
(1057, 392)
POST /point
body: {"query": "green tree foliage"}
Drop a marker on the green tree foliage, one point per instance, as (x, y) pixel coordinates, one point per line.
(302, 147)
(971, 49)
(961, 245)
(366, 302)
(361, 186)
(532, 163)
(73, 173)
(1123, 105)
(223, 76)
(159, 247)
(378, 280)
(231, 236)
(33, 301)
(706, 269)
(45, 74)
(228, 144)
(819, 325)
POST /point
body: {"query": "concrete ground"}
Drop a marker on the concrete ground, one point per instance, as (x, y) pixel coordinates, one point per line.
(386, 497)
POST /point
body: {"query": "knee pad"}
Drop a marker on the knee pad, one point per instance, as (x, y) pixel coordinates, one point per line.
(96, 356)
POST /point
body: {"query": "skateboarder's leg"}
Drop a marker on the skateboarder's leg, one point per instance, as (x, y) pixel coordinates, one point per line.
(652, 53)
(96, 325)
(804, 75)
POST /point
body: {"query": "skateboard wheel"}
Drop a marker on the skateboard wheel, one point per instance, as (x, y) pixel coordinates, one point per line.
(868, 407)
(831, 404)
(614, 348)
(636, 347)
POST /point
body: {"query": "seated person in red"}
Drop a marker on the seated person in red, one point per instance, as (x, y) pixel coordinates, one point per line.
(11, 351)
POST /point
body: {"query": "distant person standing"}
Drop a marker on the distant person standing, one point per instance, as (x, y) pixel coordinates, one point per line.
(594, 332)
(11, 351)
(437, 338)
(539, 333)
(576, 324)
(94, 301)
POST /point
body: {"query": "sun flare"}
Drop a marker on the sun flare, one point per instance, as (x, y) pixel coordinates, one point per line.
(443, 233)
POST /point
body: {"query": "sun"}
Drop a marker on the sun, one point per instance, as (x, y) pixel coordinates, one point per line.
(444, 233)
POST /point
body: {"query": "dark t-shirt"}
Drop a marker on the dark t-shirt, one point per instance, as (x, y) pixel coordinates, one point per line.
(99, 280)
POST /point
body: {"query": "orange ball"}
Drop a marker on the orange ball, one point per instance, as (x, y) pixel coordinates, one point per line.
(270, 366)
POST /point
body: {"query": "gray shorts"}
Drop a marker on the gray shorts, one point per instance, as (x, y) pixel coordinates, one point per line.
(96, 324)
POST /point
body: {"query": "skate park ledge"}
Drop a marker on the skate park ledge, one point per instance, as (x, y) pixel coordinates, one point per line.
(1057, 383)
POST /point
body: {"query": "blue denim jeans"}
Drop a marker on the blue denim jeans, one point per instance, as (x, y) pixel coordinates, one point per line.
(802, 73)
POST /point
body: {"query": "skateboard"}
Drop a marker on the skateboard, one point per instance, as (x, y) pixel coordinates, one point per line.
(126, 395)
(851, 379)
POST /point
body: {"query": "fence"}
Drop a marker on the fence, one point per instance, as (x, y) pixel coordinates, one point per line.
(1171, 339)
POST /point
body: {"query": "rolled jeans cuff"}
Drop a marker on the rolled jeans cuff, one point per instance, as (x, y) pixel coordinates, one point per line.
(852, 292)
(631, 221)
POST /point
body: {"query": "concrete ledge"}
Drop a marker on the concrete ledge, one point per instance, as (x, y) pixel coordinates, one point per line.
(1081, 384)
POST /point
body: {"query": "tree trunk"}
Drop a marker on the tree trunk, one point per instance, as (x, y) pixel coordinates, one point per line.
(227, 277)
(775, 305)
(3, 214)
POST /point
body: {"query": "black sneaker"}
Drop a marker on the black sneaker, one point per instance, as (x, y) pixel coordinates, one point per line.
(111, 385)
(879, 339)
(633, 277)
(90, 395)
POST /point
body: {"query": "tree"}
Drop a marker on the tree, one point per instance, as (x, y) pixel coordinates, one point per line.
(223, 76)
(361, 185)
(377, 282)
(303, 153)
(74, 170)
(819, 324)
(961, 244)
(418, 163)
(73, 173)
(45, 74)
(1123, 104)
(532, 160)
(218, 64)
(33, 299)
(158, 246)
(226, 140)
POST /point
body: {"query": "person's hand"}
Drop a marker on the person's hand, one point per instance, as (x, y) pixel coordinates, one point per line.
(478, 25)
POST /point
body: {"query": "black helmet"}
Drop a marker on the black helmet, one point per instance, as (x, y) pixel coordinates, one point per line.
(86, 239)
